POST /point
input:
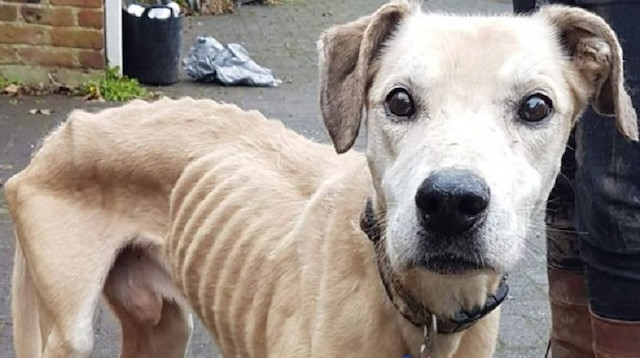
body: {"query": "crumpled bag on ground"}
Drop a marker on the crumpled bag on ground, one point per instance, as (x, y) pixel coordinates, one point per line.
(210, 61)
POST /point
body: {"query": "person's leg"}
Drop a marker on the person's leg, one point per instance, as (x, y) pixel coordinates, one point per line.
(608, 218)
(569, 303)
(607, 188)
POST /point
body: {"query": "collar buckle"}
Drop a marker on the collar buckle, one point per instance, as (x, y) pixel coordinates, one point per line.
(429, 332)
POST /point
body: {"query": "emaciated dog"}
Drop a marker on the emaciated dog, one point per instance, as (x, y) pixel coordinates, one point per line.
(284, 248)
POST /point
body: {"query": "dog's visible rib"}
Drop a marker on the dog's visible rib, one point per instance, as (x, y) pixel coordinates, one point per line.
(213, 223)
(98, 184)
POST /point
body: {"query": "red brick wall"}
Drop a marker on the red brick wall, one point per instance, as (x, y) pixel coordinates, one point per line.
(52, 34)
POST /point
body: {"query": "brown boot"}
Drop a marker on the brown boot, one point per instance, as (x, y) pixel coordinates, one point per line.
(615, 339)
(570, 315)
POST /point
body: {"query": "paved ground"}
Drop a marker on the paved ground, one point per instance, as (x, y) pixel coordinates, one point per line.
(281, 38)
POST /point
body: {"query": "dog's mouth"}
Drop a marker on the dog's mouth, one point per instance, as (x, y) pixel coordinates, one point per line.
(451, 255)
(451, 264)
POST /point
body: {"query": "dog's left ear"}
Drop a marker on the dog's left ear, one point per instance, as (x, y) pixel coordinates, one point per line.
(596, 54)
(346, 53)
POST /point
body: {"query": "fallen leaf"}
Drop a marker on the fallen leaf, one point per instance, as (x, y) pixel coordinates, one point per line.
(12, 89)
(44, 112)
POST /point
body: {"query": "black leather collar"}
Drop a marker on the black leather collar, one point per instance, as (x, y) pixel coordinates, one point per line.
(406, 304)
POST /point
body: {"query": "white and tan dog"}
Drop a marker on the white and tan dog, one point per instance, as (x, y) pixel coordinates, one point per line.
(186, 205)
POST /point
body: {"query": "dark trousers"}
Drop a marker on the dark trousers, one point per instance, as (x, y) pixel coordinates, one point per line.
(598, 190)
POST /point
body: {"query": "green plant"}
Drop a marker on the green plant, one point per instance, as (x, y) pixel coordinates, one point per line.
(11, 87)
(114, 87)
(4, 82)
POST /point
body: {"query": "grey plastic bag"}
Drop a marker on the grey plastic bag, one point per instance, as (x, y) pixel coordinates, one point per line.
(210, 61)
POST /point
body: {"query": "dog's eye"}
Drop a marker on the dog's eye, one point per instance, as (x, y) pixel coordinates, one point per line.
(399, 103)
(535, 108)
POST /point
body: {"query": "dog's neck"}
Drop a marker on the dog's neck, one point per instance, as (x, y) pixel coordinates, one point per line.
(412, 309)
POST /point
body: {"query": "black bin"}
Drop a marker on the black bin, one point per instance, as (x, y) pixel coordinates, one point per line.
(151, 47)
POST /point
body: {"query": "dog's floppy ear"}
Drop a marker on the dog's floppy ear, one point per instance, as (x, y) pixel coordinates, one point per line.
(345, 56)
(597, 56)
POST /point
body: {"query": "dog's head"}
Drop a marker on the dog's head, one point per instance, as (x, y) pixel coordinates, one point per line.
(467, 119)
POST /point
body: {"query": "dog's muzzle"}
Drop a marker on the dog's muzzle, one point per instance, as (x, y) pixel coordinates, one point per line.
(406, 304)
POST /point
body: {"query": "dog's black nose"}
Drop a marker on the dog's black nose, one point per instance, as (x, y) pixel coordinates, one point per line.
(450, 201)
